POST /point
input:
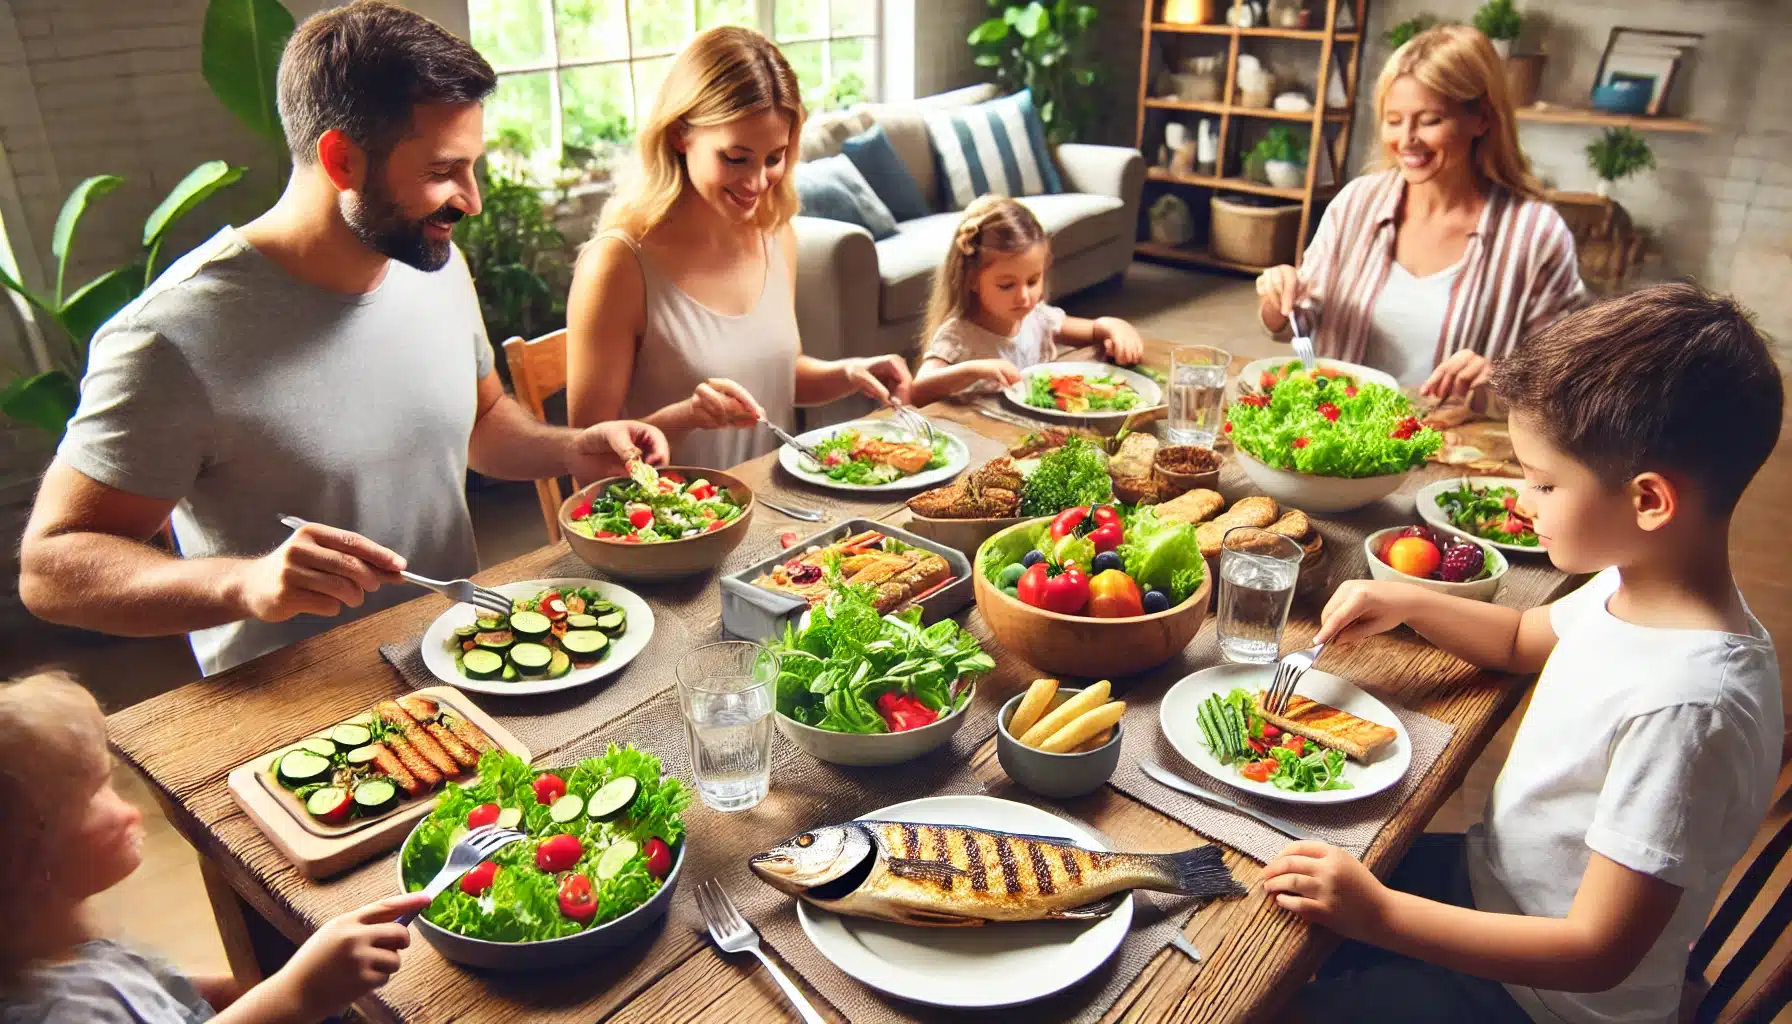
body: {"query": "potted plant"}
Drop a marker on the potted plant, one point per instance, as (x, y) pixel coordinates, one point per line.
(1048, 48)
(1500, 22)
(1281, 157)
(1617, 154)
(1401, 33)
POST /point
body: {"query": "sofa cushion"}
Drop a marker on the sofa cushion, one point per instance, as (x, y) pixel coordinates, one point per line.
(998, 147)
(906, 124)
(1078, 221)
(833, 188)
(876, 159)
(824, 132)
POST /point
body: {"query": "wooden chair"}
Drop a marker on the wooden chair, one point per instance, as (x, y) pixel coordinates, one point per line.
(537, 373)
(1730, 997)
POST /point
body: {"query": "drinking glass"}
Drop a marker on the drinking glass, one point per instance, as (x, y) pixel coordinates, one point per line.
(1257, 573)
(726, 692)
(1197, 393)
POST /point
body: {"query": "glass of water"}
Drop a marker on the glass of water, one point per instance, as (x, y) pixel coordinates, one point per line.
(1197, 393)
(727, 693)
(1257, 573)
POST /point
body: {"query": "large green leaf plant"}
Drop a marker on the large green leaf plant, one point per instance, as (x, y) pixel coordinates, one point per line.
(1047, 48)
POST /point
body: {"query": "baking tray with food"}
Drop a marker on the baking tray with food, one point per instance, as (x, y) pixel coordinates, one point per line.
(759, 601)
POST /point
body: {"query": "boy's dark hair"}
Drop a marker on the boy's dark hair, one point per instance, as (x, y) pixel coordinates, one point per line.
(1670, 377)
(361, 68)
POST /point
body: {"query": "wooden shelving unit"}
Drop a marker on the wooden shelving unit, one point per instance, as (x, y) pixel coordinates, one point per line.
(1552, 114)
(1334, 45)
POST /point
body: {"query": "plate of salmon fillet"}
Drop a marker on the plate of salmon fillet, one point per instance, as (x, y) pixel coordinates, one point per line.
(1327, 715)
(875, 455)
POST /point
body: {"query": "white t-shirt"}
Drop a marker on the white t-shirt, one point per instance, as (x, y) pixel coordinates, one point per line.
(959, 341)
(1655, 748)
(1406, 321)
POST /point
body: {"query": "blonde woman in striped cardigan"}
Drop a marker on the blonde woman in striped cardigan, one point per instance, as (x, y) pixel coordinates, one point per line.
(1437, 266)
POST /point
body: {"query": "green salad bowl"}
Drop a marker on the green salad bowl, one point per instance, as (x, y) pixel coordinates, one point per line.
(872, 749)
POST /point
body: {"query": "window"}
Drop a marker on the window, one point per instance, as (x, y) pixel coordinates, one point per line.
(575, 77)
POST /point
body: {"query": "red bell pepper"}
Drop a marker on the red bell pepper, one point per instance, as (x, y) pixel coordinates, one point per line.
(904, 711)
(1068, 520)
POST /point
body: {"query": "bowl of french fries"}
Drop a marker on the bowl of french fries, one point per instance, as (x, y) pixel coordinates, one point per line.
(1060, 741)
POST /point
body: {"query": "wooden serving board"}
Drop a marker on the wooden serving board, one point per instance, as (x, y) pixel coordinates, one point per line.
(325, 851)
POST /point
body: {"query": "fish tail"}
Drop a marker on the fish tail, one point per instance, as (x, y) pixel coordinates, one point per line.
(1200, 872)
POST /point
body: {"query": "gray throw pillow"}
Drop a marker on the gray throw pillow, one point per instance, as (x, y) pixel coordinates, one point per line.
(832, 188)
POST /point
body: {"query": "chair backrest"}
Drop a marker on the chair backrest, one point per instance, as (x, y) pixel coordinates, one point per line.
(1731, 996)
(537, 369)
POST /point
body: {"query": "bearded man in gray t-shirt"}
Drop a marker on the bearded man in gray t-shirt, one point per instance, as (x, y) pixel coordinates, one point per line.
(325, 360)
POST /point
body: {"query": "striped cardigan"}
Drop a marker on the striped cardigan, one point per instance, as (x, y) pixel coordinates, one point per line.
(1519, 272)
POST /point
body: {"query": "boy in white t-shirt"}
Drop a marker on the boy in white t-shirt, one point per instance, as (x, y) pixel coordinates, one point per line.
(1648, 756)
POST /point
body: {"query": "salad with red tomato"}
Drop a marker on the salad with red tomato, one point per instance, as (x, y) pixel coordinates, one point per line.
(1260, 752)
(1327, 424)
(653, 507)
(603, 837)
(1097, 561)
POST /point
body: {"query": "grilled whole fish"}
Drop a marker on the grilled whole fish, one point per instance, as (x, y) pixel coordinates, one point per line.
(954, 876)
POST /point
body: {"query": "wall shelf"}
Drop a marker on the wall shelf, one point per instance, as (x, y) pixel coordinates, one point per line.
(1304, 116)
(1233, 184)
(1186, 254)
(1553, 114)
(1259, 33)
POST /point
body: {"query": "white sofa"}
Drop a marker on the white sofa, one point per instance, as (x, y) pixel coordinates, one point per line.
(856, 297)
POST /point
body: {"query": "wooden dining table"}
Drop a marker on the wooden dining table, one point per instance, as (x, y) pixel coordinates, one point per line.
(185, 742)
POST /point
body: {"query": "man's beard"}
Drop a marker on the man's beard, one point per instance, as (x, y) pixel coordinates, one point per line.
(377, 221)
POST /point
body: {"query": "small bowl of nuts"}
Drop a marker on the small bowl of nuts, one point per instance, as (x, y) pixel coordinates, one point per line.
(1179, 468)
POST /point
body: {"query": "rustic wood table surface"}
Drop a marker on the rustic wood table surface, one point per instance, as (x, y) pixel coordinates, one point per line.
(186, 741)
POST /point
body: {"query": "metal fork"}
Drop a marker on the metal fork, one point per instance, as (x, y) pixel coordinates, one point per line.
(733, 934)
(1288, 673)
(916, 423)
(1303, 345)
(464, 591)
(473, 849)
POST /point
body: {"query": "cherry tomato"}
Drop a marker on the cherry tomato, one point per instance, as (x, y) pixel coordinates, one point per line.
(713, 527)
(1298, 744)
(549, 788)
(703, 491)
(1258, 745)
(1114, 595)
(677, 478)
(484, 814)
(640, 516)
(607, 535)
(476, 881)
(787, 539)
(1107, 536)
(633, 538)
(659, 857)
(581, 510)
(576, 898)
(558, 853)
(1105, 514)
(1270, 732)
(1256, 771)
(553, 607)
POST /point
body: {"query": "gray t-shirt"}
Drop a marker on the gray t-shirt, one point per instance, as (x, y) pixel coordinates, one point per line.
(106, 983)
(245, 394)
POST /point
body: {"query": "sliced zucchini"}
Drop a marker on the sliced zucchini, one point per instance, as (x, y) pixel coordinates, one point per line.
(322, 746)
(348, 736)
(301, 768)
(375, 795)
(480, 663)
(566, 809)
(614, 859)
(613, 797)
(530, 659)
(577, 621)
(585, 645)
(509, 675)
(530, 625)
(495, 640)
(486, 623)
(612, 623)
(466, 632)
(325, 803)
(509, 817)
(362, 756)
(560, 665)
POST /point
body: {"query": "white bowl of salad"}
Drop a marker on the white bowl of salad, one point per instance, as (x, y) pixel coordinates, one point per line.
(1325, 443)
(658, 524)
(605, 849)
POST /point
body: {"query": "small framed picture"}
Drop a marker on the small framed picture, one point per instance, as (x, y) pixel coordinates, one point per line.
(1647, 57)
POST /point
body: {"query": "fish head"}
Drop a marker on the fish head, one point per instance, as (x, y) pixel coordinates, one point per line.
(806, 863)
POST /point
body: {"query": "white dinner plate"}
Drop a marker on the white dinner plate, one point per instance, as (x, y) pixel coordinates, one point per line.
(970, 968)
(1179, 716)
(622, 650)
(1433, 513)
(1149, 392)
(1253, 372)
(958, 456)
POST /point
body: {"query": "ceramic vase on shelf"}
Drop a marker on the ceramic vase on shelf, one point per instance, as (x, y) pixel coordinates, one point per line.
(1502, 47)
(1285, 173)
(1604, 189)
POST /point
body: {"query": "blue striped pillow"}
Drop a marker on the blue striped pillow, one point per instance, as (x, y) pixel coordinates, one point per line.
(998, 146)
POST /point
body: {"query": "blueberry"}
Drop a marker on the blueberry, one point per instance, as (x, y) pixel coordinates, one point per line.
(1033, 557)
(1104, 561)
(1156, 601)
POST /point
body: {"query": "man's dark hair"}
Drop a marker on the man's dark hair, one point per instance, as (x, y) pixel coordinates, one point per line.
(1669, 378)
(361, 68)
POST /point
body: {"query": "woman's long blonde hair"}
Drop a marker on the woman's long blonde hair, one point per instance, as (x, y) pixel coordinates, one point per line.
(1457, 62)
(725, 74)
(992, 225)
(53, 760)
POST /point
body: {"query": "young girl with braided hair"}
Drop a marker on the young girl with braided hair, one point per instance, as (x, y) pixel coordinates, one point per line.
(988, 319)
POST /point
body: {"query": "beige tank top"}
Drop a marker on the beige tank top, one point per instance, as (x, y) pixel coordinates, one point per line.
(686, 343)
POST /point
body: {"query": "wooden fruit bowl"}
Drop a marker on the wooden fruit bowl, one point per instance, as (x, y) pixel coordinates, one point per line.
(666, 560)
(1078, 645)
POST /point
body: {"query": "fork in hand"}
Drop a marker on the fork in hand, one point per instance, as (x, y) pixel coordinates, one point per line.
(1288, 674)
(472, 850)
(733, 934)
(465, 591)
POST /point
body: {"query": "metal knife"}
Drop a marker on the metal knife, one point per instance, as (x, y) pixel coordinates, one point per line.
(1180, 941)
(791, 441)
(1182, 785)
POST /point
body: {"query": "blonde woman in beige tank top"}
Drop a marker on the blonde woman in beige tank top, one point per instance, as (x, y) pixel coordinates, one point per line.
(682, 309)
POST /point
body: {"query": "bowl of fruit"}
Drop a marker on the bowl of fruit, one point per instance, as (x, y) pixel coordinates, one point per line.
(1448, 564)
(1091, 592)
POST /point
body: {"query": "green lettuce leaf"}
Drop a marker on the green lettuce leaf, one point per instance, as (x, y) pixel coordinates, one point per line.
(1163, 556)
(1358, 444)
